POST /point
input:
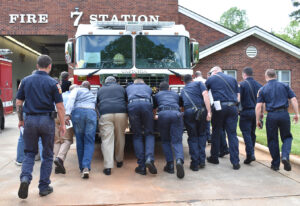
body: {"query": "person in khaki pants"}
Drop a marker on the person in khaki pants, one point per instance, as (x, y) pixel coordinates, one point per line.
(62, 143)
(112, 106)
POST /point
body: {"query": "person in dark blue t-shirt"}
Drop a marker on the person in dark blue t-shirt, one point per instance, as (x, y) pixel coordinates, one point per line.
(248, 90)
(170, 126)
(195, 97)
(275, 96)
(40, 93)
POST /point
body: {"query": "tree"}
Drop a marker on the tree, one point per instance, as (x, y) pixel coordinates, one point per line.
(291, 33)
(296, 14)
(235, 19)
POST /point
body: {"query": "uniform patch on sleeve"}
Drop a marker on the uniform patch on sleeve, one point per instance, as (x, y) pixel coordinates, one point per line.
(59, 88)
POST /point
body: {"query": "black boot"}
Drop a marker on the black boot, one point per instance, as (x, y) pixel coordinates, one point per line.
(151, 167)
(179, 168)
(169, 168)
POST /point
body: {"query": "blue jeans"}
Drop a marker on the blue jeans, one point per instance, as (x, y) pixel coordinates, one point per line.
(84, 125)
(20, 149)
(281, 121)
(36, 127)
(226, 118)
(170, 125)
(196, 136)
(248, 126)
(141, 120)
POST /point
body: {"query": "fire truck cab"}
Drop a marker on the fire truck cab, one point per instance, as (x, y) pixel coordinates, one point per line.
(153, 51)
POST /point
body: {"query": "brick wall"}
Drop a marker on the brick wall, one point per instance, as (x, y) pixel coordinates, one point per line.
(203, 34)
(59, 21)
(234, 58)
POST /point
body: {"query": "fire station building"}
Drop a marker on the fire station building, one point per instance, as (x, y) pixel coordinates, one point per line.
(33, 27)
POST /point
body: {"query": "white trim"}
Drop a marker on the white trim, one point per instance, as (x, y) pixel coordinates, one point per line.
(260, 34)
(205, 21)
(5, 60)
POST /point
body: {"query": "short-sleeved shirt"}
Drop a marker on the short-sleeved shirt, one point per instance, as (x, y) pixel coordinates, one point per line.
(138, 91)
(220, 90)
(194, 90)
(249, 93)
(275, 94)
(40, 92)
(166, 98)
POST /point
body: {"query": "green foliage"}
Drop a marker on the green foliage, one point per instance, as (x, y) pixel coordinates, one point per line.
(235, 19)
(291, 33)
(296, 14)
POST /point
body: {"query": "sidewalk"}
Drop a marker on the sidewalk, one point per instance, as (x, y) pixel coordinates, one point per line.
(254, 184)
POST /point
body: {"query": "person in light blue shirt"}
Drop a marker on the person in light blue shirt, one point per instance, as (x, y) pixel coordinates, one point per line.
(80, 109)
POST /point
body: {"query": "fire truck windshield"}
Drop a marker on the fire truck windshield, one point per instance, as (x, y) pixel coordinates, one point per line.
(107, 52)
(162, 52)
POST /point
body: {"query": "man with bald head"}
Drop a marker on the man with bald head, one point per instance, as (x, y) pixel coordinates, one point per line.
(81, 110)
(225, 93)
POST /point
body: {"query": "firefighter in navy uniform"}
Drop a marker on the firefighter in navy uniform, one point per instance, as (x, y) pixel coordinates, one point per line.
(140, 112)
(275, 95)
(225, 92)
(40, 93)
(170, 126)
(248, 90)
(195, 97)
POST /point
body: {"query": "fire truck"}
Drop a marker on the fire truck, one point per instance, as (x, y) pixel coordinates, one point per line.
(153, 51)
(6, 93)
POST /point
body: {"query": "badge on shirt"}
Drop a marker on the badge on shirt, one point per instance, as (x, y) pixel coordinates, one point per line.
(59, 88)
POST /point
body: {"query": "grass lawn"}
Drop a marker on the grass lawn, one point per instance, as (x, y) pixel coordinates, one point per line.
(261, 136)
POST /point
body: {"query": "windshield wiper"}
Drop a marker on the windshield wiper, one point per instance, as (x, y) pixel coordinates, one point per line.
(176, 73)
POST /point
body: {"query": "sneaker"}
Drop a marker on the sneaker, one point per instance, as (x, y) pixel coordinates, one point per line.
(85, 173)
(46, 192)
(287, 165)
(18, 163)
(23, 190)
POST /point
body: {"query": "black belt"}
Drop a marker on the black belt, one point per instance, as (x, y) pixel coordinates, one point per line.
(139, 100)
(39, 114)
(167, 108)
(191, 106)
(279, 110)
(229, 104)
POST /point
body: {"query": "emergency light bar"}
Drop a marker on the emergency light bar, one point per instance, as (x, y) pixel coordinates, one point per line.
(132, 25)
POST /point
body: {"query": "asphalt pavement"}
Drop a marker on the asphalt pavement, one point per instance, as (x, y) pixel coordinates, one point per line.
(254, 184)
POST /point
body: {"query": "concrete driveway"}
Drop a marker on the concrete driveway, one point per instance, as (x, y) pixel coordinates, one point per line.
(219, 184)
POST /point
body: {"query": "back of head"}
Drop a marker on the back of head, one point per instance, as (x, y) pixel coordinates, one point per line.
(271, 73)
(248, 71)
(187, 78)
(86, 84)
(64, 76)
(215, 69)
(198, 74)
(163, 86)
(110, 79)
(44, 61)
(137, 81)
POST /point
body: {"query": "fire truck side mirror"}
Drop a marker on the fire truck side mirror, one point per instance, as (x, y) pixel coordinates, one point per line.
(69, 52)
(195, 52)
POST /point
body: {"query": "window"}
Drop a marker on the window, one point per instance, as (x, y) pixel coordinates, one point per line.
(230, 73)
(284, 76)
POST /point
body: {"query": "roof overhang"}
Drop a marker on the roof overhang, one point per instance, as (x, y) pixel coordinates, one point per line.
(205, 21)
(258, 33)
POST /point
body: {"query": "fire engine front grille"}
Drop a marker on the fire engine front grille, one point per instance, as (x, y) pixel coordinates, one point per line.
(152, 81)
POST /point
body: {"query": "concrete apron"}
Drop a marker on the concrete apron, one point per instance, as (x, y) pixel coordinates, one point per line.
(254, 184)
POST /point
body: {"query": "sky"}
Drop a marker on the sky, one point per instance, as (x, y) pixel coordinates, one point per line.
(271, 15)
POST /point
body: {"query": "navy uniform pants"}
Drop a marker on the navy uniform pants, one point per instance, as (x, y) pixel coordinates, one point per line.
(281, 121)
(196, 136)
(226, 118)
(35, 127)
(223, 142)
(170, 126)
(248, 126)
(141, 123)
